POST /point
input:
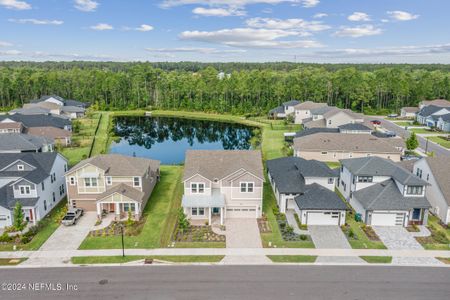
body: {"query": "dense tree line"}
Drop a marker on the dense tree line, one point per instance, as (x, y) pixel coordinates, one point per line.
(244, 88)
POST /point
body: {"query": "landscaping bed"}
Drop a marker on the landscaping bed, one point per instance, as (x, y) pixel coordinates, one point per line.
(131, 228)
(202, 234)
(79, 260)
(11, 261)
(263, 225)
(370, 233)
(440, 235)
(287, 231)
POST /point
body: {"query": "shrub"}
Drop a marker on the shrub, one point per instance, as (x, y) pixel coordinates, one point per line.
(351, 234)
(303, 237)
(440, 237)
(18, 224)
(183, 222)
(5, 238)
(289, 229)
(303, 227)
(276, 211)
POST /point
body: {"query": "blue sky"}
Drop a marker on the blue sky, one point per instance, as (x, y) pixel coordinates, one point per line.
(355, 31)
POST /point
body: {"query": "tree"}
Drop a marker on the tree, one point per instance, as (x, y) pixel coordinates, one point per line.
(183, 222)
(18, 224)
(412, 142)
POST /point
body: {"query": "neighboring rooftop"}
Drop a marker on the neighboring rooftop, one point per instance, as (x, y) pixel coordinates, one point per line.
(322, 110)
(410, 109)
(440, 166)
(445, 118)
(317, 197)
(22, 142)
(354, 127)
(291, 103)
(309, 131)
(217, 164)
(51, 132)
(321, 123)
(38, 120)
(430, 110)
(308, 105)
(437, 102)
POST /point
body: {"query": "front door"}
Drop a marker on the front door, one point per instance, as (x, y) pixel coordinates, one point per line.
(416, 214)
(215, 210)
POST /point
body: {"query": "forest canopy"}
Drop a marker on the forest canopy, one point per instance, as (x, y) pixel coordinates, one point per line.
(238, 88)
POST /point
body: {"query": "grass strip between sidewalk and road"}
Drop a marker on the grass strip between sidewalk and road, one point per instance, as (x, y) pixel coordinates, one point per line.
(292, 258)
(12, 261)
(81, 260)
(377, 259)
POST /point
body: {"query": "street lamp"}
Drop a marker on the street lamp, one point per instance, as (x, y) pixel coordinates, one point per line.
(123, 246)
(426, 146)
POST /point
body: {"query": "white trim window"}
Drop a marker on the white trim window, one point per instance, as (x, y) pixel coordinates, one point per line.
(24, 190)
(90, 182)
(108, 180)
(247, 187)
(197, 211)
(414, 190)
(137, 181)
(72, 180)
(197, 188)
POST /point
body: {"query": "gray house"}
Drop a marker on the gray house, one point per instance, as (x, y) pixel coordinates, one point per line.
(306, 187)
(282, 111)
(19, 142)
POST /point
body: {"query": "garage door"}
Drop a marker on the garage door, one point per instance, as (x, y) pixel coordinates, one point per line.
(387, 219)
(323, 218)
(87, 205)
(241, 212)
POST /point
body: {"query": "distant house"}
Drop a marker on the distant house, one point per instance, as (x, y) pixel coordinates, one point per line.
(409, 112)
(436, 171)
(436, 102)
(28, 121)
(10, 126)
(443, 123)
(429, 115)
(332, 147)
(282, 111)
(307, 187)
(53, 105)
(60, 136)
(19, 142)
(383, 193)
(303, 111)
(355, 128)
(112, 183)
(332, 118)
(221, 184)
(36, 180)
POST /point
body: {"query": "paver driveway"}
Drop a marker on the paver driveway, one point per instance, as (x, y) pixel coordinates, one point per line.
(398, 238)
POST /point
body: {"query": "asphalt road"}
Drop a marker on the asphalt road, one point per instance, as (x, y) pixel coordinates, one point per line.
(400, 131)
(232, 282)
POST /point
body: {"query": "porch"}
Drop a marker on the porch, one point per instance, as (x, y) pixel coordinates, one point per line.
(202, 208)
(120, 210)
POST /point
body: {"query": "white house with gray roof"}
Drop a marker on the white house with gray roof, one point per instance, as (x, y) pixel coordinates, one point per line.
(307, 187)
(436, 171)
(220, 184)
(36, 180)
(284, 110)
(383, 193)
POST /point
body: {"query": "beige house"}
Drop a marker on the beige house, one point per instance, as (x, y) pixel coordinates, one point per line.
(61, 136)
(409, 112)
(302, 111)
(112, 183)
(331, 147)
(220, 184)
(332, 117)
(436, 102)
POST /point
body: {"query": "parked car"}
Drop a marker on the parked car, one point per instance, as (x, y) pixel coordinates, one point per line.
(390, 134)
(376, 122)
(392, 115)
(409, 157)
(72, 216)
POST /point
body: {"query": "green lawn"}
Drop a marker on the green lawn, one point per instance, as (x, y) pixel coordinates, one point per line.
(333, 164)
(11, 261)
(160, 211)
(200, 244)
(441, 141)
(80, 260)
(49, 224)
(292, 258)
(430, 243)
(421, 131)
(377, 259)
(403, 123)
(101, 141)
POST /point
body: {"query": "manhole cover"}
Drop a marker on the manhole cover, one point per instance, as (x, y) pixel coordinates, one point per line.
(103, 281)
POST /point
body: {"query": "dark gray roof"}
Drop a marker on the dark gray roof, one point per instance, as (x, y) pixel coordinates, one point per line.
(67, 102)
(386, 196)
(377, 166)
(354, 126)
(318, 197)
(309, 131)
(289, 173)
(31, 111)
(322, 110)
(445, 118)
(8, 201)
(277, 110)
(71, 102)
(22, 142)
(291, 103)
(38, 120)
(429, 110)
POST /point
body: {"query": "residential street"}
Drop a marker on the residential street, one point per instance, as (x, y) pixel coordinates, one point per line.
(232, 282)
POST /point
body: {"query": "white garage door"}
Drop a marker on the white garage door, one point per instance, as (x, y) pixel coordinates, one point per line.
(241, 212)
(323, 218)
(387, 219)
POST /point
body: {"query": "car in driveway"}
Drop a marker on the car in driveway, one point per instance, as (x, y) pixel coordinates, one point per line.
(72, 216)
(409, 157)
(392, 115)
(376, 122)
(390, 134)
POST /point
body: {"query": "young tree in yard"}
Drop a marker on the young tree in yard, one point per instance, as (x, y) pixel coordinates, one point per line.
(18, 224)
(412, 142)
(183, 223)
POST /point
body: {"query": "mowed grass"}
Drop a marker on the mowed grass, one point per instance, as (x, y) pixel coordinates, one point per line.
(81, 260)
(292, 258)
(441, 141)
(101, 141)
(160, 213)
(421, 131)
(11, 261)
(377, 259)
(433, 221)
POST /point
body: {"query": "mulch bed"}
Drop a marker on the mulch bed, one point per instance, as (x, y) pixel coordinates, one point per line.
(114, 229)
(371, 233)
(263, 225)
(413, 229)
(198, 234)
(286, 233)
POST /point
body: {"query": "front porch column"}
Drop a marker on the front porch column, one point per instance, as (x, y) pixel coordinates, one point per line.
(117, 210)
(99, 210)
(221, 215)
(136, 210)
(209, 216)
(425, 217)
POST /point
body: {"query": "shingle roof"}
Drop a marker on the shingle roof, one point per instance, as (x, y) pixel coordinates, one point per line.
(386, 196)
(291, 103)
(51, 132)
(437, 102)
(440, 166)
(322, 110)
(321, 123)
(318, 197)
(120, 165)
(277, 110)
(31, 111)
(377, 166)
(430, 110)
(8, 201)
(38, 120)
(308, 105)
(445, 118)
(218, 164)
(73, 109)
(354, 126)
(347, 142)
(289, 173)
(22, 142)
(125, 190)
(309, 131)
(410, 109)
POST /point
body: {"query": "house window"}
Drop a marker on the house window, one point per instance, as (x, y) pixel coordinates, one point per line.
(419, 173)
(329, 122)
(45, 205)
(428, 176)
(350, 155)
(72, 180)
(136, 181)
(365, 179)
(25, 189)
(65, 168)
(90, 182)
(247, 187)
(324, 153)
(43, 186)
(54, 197)
(198, 211)
(108, 180)
(197, 188)
(330, 180)
(20, 167)
(414, 190)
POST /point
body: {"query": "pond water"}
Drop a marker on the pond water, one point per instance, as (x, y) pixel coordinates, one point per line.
(167, 139)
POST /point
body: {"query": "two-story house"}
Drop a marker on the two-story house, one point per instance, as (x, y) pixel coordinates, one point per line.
(284, 110)
(302, 111)
(220, 184)
(112, 183)
(436, 171)
(306, 187)
(332, 117)
(53, 105)
(429, 115)
(36, 180)
(383, 193)
(28, 121)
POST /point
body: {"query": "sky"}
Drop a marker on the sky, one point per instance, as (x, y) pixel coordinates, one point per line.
(320, 31)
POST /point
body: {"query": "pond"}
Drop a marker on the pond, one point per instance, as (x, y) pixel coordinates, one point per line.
(167, 139)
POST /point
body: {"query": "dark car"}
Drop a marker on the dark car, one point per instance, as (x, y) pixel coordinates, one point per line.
(390, 134)
(376, 122)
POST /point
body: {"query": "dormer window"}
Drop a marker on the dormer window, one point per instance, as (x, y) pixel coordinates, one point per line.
(197, 188)
(365, 179)
(414, 190)
(20, 167)
(136, 181)
(25, 190)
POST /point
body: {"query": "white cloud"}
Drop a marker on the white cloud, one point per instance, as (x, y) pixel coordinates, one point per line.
(310, 3)
(218, 12)
(195, 50)
(36, 21)
(144, 28)
(358, 31)
(234, 3)
(399, 15)
(5, 44)
(15, 4)
(320, 15)
(384, 21)
(102, 27)
(249, 38)
(10, 52)
(358, 17)
(299, 25)
(86, 5)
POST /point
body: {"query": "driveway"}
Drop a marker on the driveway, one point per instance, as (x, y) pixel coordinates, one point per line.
(331, 237)
(398, 238)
